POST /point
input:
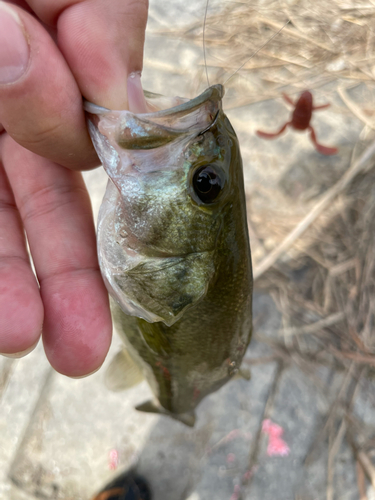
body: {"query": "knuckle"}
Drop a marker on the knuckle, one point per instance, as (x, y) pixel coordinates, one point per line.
(40, 137)
(7, 206)
(47, 200)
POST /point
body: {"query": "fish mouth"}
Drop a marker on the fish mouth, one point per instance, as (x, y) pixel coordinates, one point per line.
(124, 130)
(214, 93)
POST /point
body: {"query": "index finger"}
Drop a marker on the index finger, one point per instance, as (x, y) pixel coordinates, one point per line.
(101, 41)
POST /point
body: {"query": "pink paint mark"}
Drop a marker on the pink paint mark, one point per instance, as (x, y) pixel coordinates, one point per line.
(113, 459)
(236, 492)
(231, 457)
(277, 447)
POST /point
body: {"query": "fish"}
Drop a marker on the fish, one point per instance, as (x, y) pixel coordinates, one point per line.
(174, 248)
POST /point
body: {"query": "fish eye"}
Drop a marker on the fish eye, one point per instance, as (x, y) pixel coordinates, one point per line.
(207, 184)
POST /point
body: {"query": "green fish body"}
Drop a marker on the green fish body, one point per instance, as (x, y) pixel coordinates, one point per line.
(174, 247)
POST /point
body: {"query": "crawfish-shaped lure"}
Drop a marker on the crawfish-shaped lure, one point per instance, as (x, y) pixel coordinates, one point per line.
(300, 120)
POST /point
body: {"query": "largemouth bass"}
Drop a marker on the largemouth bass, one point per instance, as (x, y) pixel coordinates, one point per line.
(174, 248)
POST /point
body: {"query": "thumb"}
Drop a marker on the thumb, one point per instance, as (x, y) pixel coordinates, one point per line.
(103, 44)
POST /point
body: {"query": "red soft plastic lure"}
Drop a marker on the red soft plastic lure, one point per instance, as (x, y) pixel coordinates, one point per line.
(300, 120)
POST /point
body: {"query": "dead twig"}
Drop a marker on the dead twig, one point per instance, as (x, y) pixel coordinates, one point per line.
(333, 450)
(361, 481)
(266, 414)
(354, 108)
(331, 415)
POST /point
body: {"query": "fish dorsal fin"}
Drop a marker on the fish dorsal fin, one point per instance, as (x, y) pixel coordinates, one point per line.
(122, 373)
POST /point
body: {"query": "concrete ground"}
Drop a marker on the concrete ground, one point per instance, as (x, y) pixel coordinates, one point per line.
(62, 439)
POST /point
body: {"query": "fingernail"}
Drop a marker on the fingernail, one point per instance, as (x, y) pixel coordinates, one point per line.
(14, 48)
(136, 98)
(21, 354)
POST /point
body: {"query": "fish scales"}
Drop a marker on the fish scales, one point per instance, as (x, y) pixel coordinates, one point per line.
(174, 247)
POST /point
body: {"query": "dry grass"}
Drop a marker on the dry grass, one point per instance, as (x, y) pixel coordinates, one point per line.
(324, 42)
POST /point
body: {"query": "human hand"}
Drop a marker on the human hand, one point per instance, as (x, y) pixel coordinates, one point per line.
(43, 144)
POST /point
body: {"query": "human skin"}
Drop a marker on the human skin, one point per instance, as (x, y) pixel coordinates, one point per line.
(51, 54)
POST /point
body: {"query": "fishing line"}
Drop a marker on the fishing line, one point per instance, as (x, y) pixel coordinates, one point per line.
(254, 53)
(204, 45)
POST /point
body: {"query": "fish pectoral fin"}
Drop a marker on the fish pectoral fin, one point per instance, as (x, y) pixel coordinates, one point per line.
(243, 373)
(167, 286)
(122, 373)
(152, 407)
